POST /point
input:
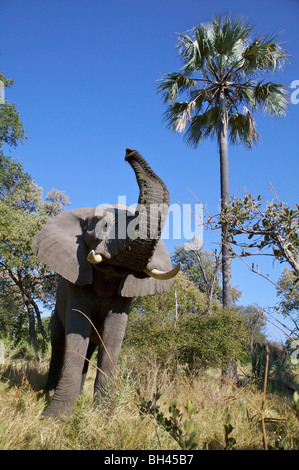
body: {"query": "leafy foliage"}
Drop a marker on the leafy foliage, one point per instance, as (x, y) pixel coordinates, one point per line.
(274, 226)
(288, 293)
(22, 214)
(201, 268)
(230, 441)
(13, 315)
(194, 339)
(182, 432)
(12, 129)
(255, 322)
(12, 175)
(152, 321)
(209, 339)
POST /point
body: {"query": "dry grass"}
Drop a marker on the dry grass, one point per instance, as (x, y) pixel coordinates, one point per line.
(22, 427)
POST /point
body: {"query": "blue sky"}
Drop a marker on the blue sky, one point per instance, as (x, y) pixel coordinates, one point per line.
(86, 74)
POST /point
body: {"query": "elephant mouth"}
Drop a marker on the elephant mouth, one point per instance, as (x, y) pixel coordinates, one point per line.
(97, 259)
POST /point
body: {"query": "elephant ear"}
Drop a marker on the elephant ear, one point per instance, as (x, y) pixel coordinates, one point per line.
(132, 286)
(60, 245)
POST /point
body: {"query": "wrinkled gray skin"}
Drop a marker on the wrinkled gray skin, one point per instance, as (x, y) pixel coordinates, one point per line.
(277, 350)
(70, 244)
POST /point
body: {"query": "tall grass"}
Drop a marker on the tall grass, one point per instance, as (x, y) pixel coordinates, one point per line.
(123, 427)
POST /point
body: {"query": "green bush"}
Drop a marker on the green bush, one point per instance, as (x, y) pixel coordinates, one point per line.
(209, 340)
(196, 341)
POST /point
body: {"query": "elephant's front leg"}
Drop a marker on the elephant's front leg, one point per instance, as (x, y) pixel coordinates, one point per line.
(77, 332)
(112, 335)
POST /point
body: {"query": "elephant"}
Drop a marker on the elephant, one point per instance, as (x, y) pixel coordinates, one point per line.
(105, 257)
(277, 351)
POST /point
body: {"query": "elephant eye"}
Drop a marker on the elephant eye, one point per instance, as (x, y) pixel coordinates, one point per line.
(97, 229)
(90, 238)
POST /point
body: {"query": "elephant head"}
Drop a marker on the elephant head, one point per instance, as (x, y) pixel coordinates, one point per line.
(85, 245)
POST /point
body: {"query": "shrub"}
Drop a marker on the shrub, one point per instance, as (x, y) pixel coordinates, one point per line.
(196, 341)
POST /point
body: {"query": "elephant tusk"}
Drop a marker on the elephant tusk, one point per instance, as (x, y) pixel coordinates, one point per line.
(93, 258)
(163, 275)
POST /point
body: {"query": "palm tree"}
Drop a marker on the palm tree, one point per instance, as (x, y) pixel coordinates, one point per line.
(220, 80)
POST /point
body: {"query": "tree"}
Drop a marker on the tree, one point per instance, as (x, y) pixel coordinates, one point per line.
(154, 321)
(193, 338)
(272, 229)
(274, 226)
(218, 84)
(255, 323)
(288, 293)
(22, 214)
(209, 339)
(189, 299)
(12, 129)
(202, 268)
(13, 314)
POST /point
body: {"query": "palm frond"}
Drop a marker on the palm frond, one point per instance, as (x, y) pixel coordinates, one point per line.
(174, 112)
(264, 54)
(230, 34)
(202, 126)
(178, 114)
(185, 116)
(173, 84)
(242, 128)
(272, 97)
(245, 91)
(194, 52)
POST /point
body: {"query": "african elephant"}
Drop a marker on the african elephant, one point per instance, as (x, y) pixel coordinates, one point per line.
(106, 256)
(277, 351)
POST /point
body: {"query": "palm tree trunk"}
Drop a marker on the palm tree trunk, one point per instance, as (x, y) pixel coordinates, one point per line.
(224, 181)
(229, 371)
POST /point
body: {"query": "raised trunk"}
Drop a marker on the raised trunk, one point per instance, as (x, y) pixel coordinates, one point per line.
(224, 177)
(145, 227)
